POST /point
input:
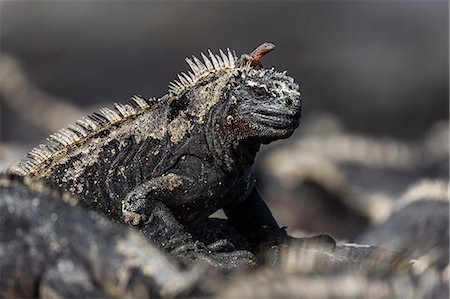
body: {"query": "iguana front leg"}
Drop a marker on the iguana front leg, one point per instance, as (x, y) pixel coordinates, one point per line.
(154, 220)
(156, 206)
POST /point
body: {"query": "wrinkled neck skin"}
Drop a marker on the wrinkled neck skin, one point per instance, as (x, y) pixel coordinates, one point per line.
(210, 113)
(226, 138)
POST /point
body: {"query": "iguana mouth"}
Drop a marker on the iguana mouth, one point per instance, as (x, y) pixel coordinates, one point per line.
(277, 120)
(279, 116)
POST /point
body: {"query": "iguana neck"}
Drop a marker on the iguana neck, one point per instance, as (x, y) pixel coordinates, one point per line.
(230, 151)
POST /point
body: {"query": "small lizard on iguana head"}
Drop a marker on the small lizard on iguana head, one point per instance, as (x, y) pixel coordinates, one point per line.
(255, 57)
(164, 164)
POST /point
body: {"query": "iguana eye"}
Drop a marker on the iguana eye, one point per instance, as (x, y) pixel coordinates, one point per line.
(259, 92)
(259, 89)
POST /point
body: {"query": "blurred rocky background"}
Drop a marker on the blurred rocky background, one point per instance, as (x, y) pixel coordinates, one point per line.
(373, 75)
(370, 161)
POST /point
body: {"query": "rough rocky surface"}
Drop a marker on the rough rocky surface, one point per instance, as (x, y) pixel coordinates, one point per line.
(52, 248)
(372, 273)
(418, 225)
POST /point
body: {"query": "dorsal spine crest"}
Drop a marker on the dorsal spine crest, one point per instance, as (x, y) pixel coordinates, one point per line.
(74, 133)
(99, 121)
(202, 70)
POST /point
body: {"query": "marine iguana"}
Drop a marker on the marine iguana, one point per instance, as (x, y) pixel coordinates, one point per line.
(164, 164)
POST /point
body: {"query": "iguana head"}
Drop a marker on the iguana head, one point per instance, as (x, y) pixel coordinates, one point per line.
(236, 101)
(265, 103)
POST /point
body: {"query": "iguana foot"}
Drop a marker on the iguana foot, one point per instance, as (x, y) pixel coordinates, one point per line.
(323, 242)
(132, 218)
(222, 245)
(197, 252)
(226, 260)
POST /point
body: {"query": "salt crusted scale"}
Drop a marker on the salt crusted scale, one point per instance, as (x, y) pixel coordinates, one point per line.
(106, 117)
(202, 70)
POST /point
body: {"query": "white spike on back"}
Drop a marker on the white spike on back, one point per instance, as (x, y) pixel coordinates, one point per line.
(230, 58)
(69, 134)
(193, 77)
(78, 129)
(234, 54)
(110, 115)
(188, 78)
(208, 63)
(180, 85)
(199, 64)
(140, 102)
(213, 59)
(220, 61)
(183, 81)
(224, 58)
(89, 123)
(120, 108)
(193, 66)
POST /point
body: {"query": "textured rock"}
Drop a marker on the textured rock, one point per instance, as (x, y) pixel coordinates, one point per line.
(51, 248)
